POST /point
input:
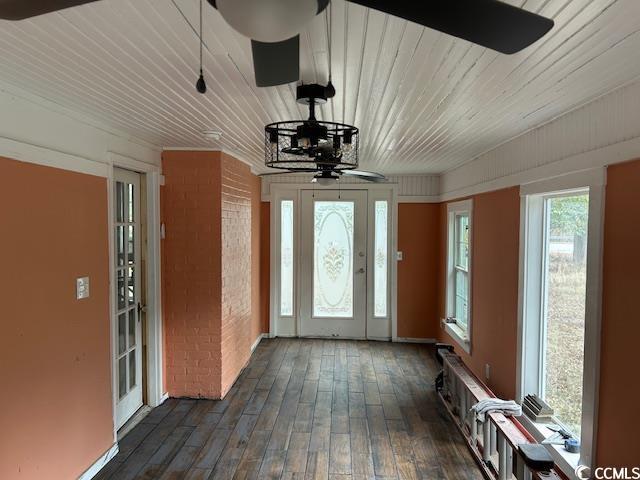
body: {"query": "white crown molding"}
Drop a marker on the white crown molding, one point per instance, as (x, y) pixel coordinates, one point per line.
(47, 157)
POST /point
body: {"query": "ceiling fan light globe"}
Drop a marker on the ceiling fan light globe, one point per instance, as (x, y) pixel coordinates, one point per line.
(268, 20)
(325, 181)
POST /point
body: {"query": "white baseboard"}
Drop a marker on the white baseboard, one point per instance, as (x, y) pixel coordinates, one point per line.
(414, 340)
(93, 470)
(164, 398)
(258, 340)
(133, 421)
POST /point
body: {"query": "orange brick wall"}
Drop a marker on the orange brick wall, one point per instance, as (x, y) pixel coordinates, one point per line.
(192, 263)
(211, 271)
(236, 268)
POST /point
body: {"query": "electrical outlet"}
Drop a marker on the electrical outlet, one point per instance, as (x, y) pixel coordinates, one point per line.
(82, 288)
(487, 371)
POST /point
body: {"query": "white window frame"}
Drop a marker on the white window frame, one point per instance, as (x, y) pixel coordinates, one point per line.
(529, 369)
(458, 332)
(283, 325)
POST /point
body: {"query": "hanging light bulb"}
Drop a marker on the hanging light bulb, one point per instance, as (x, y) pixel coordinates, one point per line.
(336, 143)
(347, 141)
(273, 143)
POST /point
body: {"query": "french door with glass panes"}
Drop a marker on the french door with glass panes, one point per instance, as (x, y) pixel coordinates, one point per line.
(128, 348)
(333, 288)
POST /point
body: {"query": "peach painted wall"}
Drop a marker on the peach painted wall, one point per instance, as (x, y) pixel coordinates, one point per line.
(419, 241)
(265, 265)
(494, 288)
(55, 407)
(256, 260)
(191, 205)
(618, 426)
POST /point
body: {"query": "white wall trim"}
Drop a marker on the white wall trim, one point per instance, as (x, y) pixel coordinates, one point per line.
(258, 340)
(155, 344)
(414, 340)
(418, 199)
(40, 155)
(99, 464)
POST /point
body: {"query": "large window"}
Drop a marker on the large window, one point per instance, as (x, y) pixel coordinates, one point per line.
(559, 319)
(458, 321)
(562, 319)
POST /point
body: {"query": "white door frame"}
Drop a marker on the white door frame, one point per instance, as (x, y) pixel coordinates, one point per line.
(155, 388)
(288, 326)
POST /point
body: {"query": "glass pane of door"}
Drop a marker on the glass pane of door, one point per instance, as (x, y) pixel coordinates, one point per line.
(126, 287)
(333, 259)
(286, 258)
(380, 261)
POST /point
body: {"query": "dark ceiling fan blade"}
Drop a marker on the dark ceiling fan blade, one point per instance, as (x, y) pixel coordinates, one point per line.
(276, 63)
(490, 23)
(288, 172)
(21, 9)
(361, 174)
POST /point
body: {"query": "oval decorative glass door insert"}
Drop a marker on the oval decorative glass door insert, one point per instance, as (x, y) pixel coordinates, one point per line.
(333, 259)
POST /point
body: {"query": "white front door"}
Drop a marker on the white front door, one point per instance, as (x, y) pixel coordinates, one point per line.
(127, 268)
(333, 263)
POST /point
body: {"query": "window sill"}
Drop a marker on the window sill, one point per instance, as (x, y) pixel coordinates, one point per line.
(565, 461)
(458, 335)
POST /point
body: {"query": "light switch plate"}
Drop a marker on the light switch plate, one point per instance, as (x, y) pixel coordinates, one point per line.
(399, 256)
(82, 288)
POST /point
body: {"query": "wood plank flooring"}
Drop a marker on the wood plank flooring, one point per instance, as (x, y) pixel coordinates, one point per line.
(306, 409)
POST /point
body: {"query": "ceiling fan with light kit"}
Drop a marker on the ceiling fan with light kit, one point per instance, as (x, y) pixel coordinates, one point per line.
(274, 25)
(329, 150)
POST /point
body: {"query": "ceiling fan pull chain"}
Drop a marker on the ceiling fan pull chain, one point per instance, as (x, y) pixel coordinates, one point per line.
(201, 85)
(330, 89)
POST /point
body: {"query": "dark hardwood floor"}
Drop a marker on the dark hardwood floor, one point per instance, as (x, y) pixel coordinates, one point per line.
(306, 409)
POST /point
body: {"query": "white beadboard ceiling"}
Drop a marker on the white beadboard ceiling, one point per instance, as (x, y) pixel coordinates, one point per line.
(425, 102)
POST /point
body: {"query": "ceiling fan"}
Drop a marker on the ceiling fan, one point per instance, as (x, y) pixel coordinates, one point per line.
(328, 150)
(274, 25)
